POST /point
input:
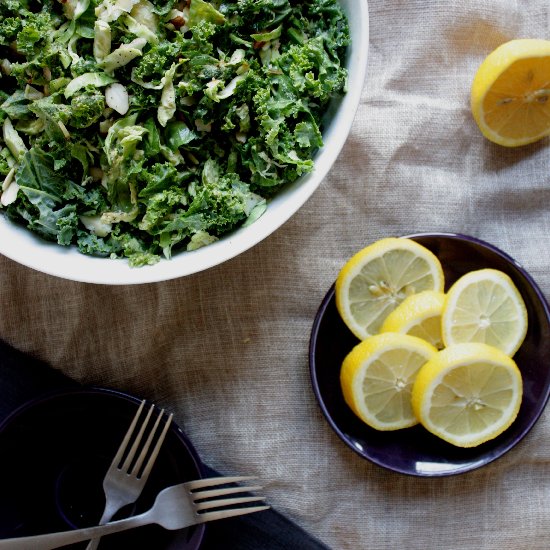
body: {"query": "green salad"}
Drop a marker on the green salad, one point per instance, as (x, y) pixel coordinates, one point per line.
(136, 128)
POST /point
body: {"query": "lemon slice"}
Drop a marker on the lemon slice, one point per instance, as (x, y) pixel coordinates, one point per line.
(510, 96)
(418, 315)
(467, 394)
(379, 277)
(485, 306)
(377, 378)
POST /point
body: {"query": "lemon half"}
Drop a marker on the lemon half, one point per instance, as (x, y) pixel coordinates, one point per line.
(510, 95)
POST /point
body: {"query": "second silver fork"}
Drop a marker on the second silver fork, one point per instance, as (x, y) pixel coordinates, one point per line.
(124, 481)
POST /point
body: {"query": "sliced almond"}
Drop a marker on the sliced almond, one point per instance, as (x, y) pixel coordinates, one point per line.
(116, 97)
(10, 194)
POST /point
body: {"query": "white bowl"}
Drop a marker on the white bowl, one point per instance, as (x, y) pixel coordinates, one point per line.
(24, 247)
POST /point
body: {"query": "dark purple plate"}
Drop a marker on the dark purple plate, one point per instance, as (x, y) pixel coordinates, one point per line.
(415, 451)
(54, 454)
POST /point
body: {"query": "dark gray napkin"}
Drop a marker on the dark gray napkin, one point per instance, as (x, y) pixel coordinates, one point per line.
(23, 378)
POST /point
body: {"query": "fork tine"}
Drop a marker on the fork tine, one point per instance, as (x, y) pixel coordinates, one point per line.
(221, 492)
(121, 484)
(137, 441)
(222, 514)
(153, 457)
(137, 464)
(218, 503)
(124, 444)
(210, 481)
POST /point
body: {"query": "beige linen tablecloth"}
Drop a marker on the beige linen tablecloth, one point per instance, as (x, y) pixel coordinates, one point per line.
(226, 349)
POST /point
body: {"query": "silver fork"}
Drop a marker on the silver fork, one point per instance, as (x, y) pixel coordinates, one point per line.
(123, 483)
(175, 507)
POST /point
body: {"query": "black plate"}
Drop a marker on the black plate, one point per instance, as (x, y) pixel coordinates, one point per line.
(415, 451)
(54, 454)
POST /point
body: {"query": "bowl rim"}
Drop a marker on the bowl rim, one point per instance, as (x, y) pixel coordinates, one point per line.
(98, 390)
(541, 404)
(24, 247)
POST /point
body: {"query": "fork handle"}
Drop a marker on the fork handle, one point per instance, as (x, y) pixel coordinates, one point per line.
(94, 543)
(111, 508)
(62, 538)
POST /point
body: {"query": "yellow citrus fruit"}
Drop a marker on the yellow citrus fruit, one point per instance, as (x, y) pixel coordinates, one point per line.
(379, 277)
(485, 306)
(510, 95)
(467, 394)
(418, 315)
(377, 378)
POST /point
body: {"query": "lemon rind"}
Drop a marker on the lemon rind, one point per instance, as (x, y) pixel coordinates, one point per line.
(492, 67)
